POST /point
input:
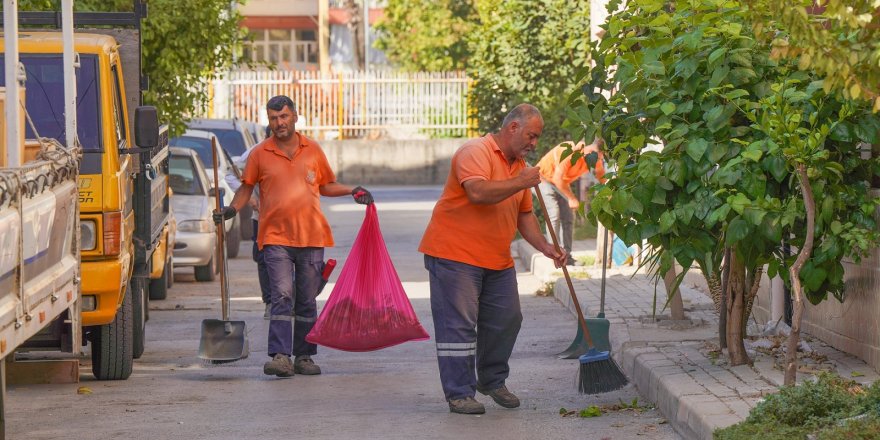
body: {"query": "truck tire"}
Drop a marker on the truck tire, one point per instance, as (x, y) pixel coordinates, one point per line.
(207, 272)
(233, 241)
(140, 309)
(159, 287)
(170, 281)
(112, 345)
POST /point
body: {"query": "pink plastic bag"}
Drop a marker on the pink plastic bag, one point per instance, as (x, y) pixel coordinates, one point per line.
(368, 309)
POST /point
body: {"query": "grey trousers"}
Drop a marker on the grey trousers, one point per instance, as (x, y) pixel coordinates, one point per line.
(559, 215)
(477, 318)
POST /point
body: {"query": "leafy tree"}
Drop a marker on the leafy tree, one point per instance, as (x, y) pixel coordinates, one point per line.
(810, 131)
(527, 51)
(185, 46)
(837, 39)
(699, 169)
(427, 35)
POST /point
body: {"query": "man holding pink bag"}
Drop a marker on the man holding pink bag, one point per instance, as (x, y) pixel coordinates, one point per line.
(293, 174)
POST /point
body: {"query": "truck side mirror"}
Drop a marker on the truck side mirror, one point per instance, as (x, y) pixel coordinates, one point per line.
(146, 126)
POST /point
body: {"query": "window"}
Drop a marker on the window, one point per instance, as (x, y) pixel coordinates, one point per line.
(183, 177)
(44, 99)
(283, 47)
(118, 114)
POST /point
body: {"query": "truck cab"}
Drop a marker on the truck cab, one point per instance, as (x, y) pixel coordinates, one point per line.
(123, 188)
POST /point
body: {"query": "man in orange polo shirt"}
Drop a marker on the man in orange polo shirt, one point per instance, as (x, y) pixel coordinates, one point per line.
(557, 175)
(293, 173)
(474, 295)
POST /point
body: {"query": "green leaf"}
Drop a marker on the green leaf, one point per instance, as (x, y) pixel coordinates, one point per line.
(590, 411)
(739, 202)
(716, 54)
(754, 215)
(667, 108)
(836, 227)
(737, 230)
(696, 148)
(777, 168)
(667, 220)
(753, 155)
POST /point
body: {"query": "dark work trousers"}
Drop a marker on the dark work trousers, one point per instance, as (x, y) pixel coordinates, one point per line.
(294, 277)
(262, 275)
(559, 215)
(476, 320)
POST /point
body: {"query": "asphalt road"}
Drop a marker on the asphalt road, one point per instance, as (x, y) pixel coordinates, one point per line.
(387, 394)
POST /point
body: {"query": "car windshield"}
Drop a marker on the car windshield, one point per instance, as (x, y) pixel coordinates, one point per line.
(201, 146)
(44, 97)
(231, 140)
(183, 177)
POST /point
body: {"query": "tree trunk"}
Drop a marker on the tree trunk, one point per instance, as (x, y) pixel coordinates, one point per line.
(791, 361)
(675, 304)
(722, 303)
(324, 36)
(736, 292)
(356, 29)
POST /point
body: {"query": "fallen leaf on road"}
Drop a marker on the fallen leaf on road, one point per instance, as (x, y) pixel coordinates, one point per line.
(83, 390)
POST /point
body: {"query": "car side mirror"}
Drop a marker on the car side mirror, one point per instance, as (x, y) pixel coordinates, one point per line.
(146, 126)
(213, 192)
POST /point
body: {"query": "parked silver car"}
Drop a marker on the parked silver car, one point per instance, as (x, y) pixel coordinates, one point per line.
(200, 142)
(236, 137)
(192, 202)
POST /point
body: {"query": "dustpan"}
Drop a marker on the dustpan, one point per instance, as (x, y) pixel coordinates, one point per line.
(222, 340)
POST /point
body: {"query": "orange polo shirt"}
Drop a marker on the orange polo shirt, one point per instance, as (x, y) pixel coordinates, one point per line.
(552, 162)
(290, 201)
(478, 235)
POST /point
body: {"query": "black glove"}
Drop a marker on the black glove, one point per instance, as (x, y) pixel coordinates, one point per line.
(225, 214)
(362, 196)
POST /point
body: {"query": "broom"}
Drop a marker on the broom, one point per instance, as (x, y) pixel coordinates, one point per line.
(598, 373)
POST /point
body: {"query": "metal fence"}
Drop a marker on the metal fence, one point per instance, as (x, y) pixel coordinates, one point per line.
(370, 104)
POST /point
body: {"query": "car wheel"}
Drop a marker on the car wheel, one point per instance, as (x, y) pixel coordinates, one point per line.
(233, 241)
(207, 272)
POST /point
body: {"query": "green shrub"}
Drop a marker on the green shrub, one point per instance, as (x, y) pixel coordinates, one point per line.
(821, 407)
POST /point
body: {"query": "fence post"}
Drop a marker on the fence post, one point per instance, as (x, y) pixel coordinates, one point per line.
(339, 110)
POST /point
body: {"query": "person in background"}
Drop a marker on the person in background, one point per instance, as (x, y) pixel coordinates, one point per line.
(293, 173)
(474, 292)
(557, 175)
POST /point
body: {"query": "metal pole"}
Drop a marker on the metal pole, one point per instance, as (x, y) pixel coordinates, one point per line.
(69, 73)
(13, 88)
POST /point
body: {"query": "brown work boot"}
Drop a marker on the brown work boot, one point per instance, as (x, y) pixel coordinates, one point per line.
(305, 365)
(466, 406)
(280, 366)
(502, 396)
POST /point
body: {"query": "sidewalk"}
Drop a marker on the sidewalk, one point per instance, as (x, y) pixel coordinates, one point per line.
(677, 365)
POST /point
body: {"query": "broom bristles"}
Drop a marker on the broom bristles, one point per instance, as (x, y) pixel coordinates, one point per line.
(599, 374)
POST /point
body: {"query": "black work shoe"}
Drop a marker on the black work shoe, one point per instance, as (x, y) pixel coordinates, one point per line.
(466, 406)
(280, 366)
(502, 396)
(306, 366)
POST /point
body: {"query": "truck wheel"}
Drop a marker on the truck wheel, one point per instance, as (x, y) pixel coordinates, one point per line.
(207, 272)
(159, 287)
(233, 241)
(140, 308)
(170, 280)
(112, 345)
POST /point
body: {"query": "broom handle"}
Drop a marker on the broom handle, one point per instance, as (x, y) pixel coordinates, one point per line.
(577, 305)
(605, 262)
(221, 230)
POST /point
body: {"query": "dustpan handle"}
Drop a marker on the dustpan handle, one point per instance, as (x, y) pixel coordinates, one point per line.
(221, 236)
(577, 305)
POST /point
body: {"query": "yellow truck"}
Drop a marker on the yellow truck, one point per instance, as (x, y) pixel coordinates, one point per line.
(123, 187)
